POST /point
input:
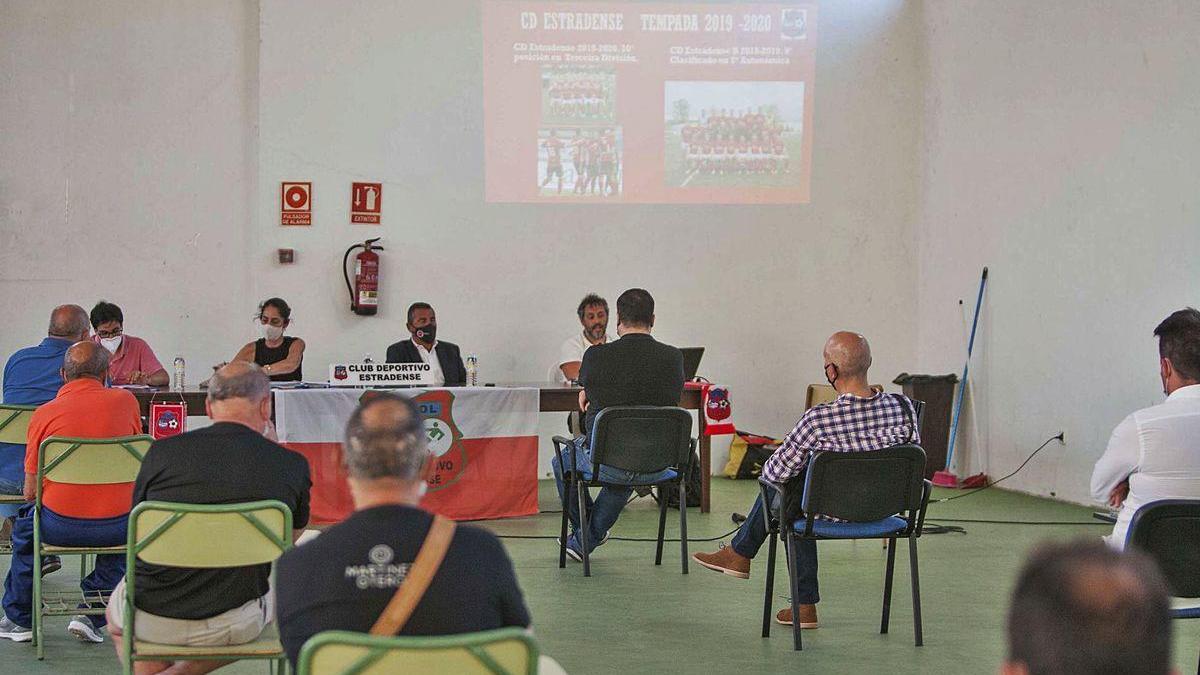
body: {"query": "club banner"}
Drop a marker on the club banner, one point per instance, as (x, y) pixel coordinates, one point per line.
(167, 419)
(484, 442)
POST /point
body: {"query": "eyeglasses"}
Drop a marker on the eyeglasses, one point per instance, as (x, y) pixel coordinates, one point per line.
(104, 334)
(275, 321)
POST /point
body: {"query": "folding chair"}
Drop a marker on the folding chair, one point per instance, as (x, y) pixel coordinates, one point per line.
(880, 494)
(640, 439)
(77, 461)
(1169, 531)
(204, 536)
(504, 651)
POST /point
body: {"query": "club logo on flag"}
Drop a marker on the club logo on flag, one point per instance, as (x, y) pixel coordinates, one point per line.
(445, 440)
(167, 419)
(717, 405)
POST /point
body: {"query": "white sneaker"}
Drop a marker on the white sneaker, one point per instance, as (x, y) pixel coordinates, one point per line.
(12, 631)
(84, 630)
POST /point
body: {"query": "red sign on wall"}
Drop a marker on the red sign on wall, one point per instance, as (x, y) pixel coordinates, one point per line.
(295, 204)
(365, 202)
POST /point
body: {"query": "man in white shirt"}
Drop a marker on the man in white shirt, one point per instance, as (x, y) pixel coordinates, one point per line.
(1154, 453)
(593, 317)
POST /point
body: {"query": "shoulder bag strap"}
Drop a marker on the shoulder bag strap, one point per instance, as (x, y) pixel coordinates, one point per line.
(420, 574)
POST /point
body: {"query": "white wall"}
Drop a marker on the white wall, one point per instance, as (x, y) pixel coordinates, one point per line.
(127, 155)
(393, 93)
(142, 145)
(1062, 149)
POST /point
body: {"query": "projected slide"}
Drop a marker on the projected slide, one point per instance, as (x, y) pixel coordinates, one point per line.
(648, 103)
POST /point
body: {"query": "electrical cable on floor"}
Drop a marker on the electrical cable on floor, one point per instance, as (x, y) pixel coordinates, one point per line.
(1056, 437)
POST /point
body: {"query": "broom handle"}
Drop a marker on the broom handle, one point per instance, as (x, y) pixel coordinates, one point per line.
(962, 388)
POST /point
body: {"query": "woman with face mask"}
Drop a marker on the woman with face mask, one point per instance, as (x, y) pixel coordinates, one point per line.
(280, 356)
(131, 361)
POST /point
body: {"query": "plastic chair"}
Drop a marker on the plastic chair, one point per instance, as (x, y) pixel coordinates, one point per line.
(880, 494)
(641, 439)
(504, 651)
(1169, 531)
(205, 536)
(77, 461)
(14, 425)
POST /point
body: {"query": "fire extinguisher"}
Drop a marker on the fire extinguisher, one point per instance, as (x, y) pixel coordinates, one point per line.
(364, 295)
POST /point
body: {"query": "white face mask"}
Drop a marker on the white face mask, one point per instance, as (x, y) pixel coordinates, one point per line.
(271, 333)
(112, 343)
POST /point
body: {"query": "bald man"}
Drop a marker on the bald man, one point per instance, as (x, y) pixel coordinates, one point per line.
(73, 515)
(31, 377)
(859, 420)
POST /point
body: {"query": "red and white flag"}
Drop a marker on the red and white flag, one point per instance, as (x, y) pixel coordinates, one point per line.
(484, 442)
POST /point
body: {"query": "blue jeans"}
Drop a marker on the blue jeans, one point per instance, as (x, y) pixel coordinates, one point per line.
(61, 531)
(753, 534)
(604, 511)
(10, 487)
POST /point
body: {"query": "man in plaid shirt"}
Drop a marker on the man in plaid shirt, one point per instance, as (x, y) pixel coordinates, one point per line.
(860, 420)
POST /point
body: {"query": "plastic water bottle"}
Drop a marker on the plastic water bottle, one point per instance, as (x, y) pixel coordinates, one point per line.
(472, 370)
(179, 372)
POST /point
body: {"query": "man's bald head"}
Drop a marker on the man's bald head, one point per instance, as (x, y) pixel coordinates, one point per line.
(85, 359)
(239, 380)
(69, 322)
(385, 438)
(850, 353)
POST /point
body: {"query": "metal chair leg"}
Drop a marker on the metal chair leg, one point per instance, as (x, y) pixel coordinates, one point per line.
(683, 542)
(794, 579)
(887, 586)
(770, 587)
(562, 536)
(584, 526)
(916, 590)
(662, 521)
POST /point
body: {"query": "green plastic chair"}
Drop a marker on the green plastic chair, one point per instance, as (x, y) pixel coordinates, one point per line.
(204, 536)
(77, 461)
(504, 651)
(14, 425)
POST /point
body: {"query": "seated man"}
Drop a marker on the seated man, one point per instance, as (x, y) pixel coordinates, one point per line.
(344, 578)
(73, 515)
(860, 419)
(133, 362)
(634, 370)
(593, 316)
(1155, 452)
(1080, 608)
(32, 376)
(225, 463)
(447, 367)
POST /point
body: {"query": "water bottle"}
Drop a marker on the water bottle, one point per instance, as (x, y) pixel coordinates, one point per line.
(472, 370)
(179, 367)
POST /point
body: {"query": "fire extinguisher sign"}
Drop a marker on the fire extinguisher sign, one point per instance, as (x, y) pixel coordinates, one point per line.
(295, 203)
(365, 202)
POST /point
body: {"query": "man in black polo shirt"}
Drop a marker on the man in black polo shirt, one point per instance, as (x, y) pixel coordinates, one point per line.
(343, 579)
(634, 370)
(228, 462)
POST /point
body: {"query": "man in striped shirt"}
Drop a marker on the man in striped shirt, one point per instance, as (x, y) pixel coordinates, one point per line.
(859, 420)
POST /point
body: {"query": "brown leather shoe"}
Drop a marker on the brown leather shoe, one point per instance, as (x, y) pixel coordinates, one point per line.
(725, 561)
(808, 616)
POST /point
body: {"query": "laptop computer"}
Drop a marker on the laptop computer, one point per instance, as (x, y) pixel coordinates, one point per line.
(691, 361)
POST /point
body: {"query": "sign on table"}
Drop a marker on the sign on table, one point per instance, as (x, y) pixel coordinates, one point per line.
(380, 374)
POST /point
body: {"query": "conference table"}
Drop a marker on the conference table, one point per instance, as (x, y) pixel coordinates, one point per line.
(551, 398)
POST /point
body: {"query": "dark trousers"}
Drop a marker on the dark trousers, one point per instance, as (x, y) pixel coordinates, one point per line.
(61, 531)
(753, 534)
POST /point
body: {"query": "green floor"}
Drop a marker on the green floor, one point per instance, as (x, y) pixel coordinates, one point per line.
(633, 617)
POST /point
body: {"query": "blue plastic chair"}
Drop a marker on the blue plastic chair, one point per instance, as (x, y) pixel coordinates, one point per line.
(1169, 531)
(880, 494)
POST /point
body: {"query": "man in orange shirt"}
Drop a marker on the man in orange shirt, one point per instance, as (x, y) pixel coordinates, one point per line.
(73, 515)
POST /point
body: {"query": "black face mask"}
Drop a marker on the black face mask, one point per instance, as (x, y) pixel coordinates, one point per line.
(829, 379)
(426, 333)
